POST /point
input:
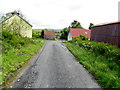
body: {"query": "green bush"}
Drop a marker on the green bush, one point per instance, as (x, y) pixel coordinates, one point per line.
(79, 38)
(112, 53)
(63, 37)
(83, 37)
(101, 48)
(16, 50)
(75, 39)
(100, 59)
(36, 34)
(13, 40)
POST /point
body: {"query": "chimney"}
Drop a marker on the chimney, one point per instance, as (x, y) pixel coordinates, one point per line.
(15, 12)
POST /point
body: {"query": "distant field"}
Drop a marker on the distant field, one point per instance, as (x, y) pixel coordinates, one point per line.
(37, 30)
(48, 29)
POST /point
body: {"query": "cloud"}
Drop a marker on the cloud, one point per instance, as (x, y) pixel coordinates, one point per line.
(60, 13)
(74, 7)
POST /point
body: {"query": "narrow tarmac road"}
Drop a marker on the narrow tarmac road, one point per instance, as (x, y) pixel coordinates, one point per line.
(55, 67)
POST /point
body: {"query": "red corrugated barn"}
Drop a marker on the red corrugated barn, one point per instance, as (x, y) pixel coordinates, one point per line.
(77, 32)
(107, 32)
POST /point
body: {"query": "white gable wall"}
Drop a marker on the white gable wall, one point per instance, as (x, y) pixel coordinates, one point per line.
(16, 24)
(69, 37)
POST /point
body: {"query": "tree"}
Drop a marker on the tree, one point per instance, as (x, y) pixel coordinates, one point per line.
(9, 14)
(3, 16)
(21, 14)
(76, 24)
(42, 32)
(91, 24)
(64, 33)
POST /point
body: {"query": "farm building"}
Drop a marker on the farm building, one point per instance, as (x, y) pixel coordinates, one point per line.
(48, 34)
(107, 32)
(77, 32)
(15, 23)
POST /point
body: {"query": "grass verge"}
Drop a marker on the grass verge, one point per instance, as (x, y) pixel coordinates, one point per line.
(98, 65)
(14, 59)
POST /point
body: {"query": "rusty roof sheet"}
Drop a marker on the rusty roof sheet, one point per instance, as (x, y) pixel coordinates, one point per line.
(107, 23)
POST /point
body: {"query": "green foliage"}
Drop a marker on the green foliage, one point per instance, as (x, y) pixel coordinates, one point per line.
(36, 34)
(83, 37)
(91, 24)
(16, 51)
(42, 32)
(101, 48)
(101, 59)
(79, 38)
(64, 33)
(4, 16)
(13, 40)
(76, 24)
(66, 29)
(63, 37)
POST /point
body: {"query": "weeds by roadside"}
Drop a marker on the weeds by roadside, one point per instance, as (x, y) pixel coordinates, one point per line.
(16, 52)
(100, 59)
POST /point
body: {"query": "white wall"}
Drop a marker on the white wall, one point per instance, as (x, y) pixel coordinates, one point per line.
(16, 24)
(69, 37)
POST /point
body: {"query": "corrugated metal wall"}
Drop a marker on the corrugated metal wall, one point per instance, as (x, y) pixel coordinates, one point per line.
(108, 33)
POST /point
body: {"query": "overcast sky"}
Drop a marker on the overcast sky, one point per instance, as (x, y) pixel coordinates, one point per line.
(60, 13)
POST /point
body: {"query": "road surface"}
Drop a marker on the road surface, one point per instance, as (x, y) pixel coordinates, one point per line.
(55, 67)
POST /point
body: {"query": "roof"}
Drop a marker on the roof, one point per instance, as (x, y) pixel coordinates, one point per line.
(77, 32)
(49, 32)
(108, 23)
(19, 17)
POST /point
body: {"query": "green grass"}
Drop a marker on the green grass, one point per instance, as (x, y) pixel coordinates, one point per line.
(36, 33)
(0, 57)
(105, 70)
(15, 58)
